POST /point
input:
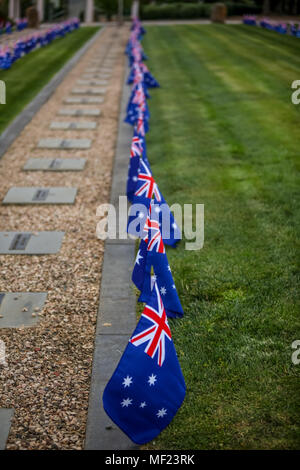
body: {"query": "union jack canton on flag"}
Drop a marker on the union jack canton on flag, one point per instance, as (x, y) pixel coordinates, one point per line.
(147, 387)
(152, 253)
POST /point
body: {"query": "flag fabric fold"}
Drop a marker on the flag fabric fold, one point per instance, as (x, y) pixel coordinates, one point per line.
(152, 255)
(147, 387)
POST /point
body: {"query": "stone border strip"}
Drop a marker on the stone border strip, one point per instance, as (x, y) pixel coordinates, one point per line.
(18, 124)
(117, 309)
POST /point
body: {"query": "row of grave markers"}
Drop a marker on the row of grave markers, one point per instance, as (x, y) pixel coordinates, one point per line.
(17, 308)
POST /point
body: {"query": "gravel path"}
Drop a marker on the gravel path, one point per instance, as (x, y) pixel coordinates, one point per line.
(47, 380)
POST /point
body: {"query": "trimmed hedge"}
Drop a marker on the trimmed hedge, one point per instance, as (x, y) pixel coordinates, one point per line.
(234, 9)
(177, 11)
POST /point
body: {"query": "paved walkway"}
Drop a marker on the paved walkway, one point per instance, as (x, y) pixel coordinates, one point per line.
(47, 379)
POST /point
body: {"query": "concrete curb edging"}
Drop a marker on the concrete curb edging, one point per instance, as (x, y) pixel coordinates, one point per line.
(117, 309)
(25, 116)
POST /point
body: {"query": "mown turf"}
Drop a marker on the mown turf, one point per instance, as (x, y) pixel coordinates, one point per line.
(28, 75)
(224, 133)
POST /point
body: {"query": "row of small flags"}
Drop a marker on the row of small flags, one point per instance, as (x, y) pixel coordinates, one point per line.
(147, 388)
(282, 28)
(9, 55)
(6, 27)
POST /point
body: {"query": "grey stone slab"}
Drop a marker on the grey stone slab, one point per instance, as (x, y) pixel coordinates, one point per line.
(92, 82)
(89, 91)
(112, 318)
(79, 112)
(63, 144)
(92, 69)
(36, 195)
(100, 75)
(115, 286)
(17, 308)
(114, 346)
(73, 125)
(106, 70)
(84, 100)
(55, 164)
(18, 124)
(30, 243)
(102, 433)
(6, 415)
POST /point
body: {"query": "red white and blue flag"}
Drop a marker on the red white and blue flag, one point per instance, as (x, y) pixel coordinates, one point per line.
(147, 388)
(152, 255)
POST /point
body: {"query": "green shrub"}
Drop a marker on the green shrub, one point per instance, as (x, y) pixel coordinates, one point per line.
(175, 11)
(234, 9)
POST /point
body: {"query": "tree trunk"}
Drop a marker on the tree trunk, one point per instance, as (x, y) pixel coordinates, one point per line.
(295, 7)
(266, 7)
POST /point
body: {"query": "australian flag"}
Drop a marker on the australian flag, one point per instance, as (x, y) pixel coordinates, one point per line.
(147, 387)
(140, 72)
(148, 78)
(152, 253)
(136, 152)
(137, 106)
(147, 189)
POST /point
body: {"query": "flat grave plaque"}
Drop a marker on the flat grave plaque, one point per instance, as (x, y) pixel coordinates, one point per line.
(105, 70)
(55, 164)
(92, 82)
(33, 195)
(73, 125)
(64, 144)
(6, 415)
(83, 100)
(79, 112)
(21, 308)
(39, 195)
(20, 241)
(100, 75)
(89, 91)
(26, 243)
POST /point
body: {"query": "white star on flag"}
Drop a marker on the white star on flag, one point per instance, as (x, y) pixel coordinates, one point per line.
(152, 379)
(126, 402)
(161, 413)
(127, 381)
(163, 290)
(143, 404)
(138, 257)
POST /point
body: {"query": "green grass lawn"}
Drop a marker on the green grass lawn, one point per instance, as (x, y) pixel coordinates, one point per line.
(223, 132)
(31, 73)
